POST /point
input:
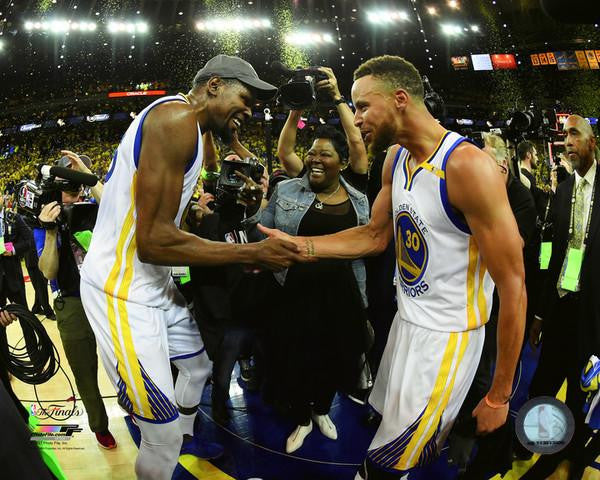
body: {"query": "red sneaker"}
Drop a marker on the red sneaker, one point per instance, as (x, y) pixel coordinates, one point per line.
(106, 440)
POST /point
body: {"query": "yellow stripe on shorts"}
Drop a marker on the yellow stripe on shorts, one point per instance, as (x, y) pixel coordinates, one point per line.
(434, 403)
(135, 382)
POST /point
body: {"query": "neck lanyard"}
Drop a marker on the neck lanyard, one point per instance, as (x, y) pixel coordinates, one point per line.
(589, 219)
(545, 219)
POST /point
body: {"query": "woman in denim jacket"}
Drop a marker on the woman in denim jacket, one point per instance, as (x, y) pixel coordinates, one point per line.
(317, 333)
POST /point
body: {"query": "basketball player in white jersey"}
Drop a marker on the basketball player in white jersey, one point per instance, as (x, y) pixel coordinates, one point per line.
(140, 320)
(445, 202)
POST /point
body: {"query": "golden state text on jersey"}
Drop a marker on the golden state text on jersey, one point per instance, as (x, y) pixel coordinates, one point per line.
(412, 251)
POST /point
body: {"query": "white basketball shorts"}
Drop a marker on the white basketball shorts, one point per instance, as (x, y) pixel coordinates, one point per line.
(136, 343)
(423, 379)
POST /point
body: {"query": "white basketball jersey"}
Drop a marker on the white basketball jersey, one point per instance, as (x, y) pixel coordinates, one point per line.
(112, 263)
(442, 281)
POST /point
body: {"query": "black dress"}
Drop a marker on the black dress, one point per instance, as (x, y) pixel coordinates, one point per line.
(317, 333)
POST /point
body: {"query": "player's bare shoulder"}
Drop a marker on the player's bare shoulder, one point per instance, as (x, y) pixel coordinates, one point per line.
(468, 159)
(173, 124)
(173, 115)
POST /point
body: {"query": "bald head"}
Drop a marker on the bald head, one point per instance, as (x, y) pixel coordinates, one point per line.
(580, 143)
(580, 123)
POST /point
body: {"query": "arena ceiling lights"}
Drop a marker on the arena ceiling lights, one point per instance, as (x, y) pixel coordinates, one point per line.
(308, 39)
(116, 27)
(451, 30)
(232, 24)
(383, 17)
(60, 26)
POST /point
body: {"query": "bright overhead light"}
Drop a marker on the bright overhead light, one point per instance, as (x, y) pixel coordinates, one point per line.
(386, 16)
(60, 26)
(304, 39)
(127, 27)
(474, 28)
(236, 24)
(432, 11)
(448, 29)
(453, 4)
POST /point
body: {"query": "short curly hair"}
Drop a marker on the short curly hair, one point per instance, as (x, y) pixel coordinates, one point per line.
(337, 139)
(396, 72)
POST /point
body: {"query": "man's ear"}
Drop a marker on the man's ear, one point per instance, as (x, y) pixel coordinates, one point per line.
(401, 98)
(213, 85)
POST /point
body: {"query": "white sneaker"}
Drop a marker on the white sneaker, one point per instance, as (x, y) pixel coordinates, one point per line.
(326, 426)
(296, 439)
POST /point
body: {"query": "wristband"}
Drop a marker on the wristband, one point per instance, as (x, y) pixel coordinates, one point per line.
(47, 225)
(493, 405)
(339, 100)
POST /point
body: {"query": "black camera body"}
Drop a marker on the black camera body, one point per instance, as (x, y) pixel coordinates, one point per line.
(229, 185)
(32, 196)
(531, 123)
(300, 92)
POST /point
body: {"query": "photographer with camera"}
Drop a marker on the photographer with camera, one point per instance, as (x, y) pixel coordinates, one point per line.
(227, 299)
(61, 254)
(358, 162)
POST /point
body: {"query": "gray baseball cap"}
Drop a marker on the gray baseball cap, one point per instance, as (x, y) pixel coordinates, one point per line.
(66, 161)
(226, 66)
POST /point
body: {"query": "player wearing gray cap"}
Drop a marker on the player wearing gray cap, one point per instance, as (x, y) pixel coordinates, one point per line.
(140, 320)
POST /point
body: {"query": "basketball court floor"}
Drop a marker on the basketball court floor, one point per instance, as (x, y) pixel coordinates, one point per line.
(254, 439)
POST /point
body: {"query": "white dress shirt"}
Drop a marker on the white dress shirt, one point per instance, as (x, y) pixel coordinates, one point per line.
(590, 177)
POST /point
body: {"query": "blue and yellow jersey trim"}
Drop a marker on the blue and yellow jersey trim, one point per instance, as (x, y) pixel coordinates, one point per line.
(476, 288)
(409, 176)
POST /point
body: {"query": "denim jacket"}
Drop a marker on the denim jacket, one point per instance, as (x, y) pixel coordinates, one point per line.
(288, 205)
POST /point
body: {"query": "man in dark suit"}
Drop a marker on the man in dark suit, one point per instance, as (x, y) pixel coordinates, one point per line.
(17, 240)
(570, 314)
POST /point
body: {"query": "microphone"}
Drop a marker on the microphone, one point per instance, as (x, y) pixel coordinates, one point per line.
(69, 174)
(427, 85)
(280, 68)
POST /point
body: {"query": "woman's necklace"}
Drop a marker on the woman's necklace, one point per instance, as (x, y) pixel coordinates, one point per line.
(319, 204)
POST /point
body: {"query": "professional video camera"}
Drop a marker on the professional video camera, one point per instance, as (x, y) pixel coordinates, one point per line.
(300, 92)
(51, 181)
(531, 123)
(228, 185)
